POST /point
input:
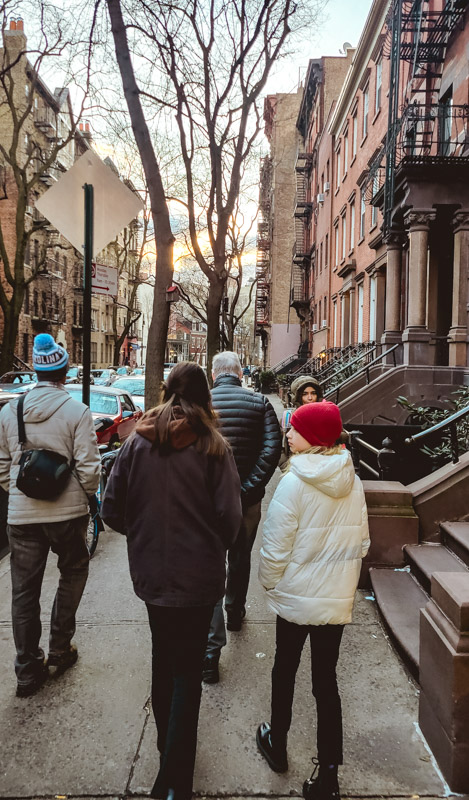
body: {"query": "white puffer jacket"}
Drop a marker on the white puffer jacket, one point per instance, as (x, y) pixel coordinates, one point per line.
(315, 536)
(54, 421)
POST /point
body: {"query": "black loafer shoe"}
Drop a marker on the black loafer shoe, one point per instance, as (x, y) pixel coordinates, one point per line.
(30, 688)
(276, 757)
(234, 621)
(210, 673)
(60, 662)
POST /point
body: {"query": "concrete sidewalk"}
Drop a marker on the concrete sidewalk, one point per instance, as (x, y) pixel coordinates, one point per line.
(90, 733)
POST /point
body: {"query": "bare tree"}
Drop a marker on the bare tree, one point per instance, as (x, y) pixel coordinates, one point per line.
(207, 63)
(156, 345)
(26, 157)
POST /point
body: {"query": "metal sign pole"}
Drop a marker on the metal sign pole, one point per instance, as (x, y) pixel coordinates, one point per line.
(88, 254)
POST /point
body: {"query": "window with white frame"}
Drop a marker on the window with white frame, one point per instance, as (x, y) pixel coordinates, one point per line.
(344, 235)
(352, 225)
(360, 313)
(366, 103)
(338, 168)
(354, 135)
(335, 323)
(372, 309)
(345, 152)
(374, 210)
(379, 82)
(362, 213)
(336, 234)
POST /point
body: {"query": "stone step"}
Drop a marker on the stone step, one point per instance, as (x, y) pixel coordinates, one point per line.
(425, 559)
(455, 536)
(400, 598)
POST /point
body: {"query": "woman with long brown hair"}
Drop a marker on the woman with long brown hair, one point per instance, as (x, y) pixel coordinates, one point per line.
(174, 493)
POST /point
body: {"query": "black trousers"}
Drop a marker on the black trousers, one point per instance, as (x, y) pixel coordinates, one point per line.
(179, 636)
(325, 644)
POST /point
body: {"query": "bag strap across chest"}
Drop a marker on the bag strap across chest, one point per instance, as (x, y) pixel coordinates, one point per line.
(21, 428)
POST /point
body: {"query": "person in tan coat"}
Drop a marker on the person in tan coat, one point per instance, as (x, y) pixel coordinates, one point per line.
(53, 421)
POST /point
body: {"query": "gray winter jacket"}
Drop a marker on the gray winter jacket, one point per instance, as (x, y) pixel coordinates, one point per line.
(54, 421)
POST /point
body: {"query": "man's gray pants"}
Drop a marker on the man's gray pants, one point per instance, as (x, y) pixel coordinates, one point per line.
(29, 548)
(237, 579)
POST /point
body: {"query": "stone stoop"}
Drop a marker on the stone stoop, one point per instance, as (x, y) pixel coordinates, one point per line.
(425, 608)
(401, 593)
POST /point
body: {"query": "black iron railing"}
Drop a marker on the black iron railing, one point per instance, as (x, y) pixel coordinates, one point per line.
(450, 424)
(335, 390)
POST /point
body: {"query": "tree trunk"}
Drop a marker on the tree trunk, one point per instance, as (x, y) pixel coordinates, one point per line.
(158, 331)
(10, 333)
(214, 301)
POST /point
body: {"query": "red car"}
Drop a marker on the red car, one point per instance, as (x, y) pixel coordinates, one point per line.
(115, 404)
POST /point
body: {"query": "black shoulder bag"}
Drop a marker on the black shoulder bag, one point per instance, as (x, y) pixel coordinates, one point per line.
(43, 474)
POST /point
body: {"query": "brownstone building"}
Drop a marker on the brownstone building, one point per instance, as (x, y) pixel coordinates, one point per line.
(382, 198)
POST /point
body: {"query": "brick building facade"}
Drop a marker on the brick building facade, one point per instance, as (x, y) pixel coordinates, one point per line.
(382, 201)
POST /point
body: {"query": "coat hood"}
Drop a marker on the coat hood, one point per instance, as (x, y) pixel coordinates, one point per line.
(43, 401)
(332, 475)
(180, 432)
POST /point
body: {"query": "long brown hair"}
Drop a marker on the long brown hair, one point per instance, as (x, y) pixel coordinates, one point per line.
(186, 393)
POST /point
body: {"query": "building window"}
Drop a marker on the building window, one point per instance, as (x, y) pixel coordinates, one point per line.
(36, 303)
(26, 300)
(336, 245)
(344, 235)
(372, 309)
(319, 316)
(362, 213)
(345, 152)
(26, 347)
(379, 81)
(366, 102)
(64, 270)
(326, 251)
(335, 323)
(338, 168)
(320, 256)
(360, 313)
(352, 226)
(43, 305)
(354, 135)
(374, 210)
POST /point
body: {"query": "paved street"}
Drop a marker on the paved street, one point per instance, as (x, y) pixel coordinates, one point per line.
(90, 733)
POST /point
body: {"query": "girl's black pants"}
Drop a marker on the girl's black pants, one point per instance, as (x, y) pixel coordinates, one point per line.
(325, 644)
(179, 638)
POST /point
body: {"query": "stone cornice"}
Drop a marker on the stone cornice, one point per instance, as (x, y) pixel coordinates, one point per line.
(366, 47)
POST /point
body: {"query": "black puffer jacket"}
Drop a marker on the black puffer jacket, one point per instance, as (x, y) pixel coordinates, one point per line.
(249, 423)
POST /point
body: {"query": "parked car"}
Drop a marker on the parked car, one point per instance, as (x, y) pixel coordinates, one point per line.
(106, 401)
(104, 377)
(9, 380)
(75, 375)
(135, 386)
(138, 371)
(124, 370)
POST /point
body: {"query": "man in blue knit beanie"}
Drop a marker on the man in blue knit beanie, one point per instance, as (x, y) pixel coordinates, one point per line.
(53, 421)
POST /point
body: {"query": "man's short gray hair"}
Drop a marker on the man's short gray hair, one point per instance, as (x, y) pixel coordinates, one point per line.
(226, 363)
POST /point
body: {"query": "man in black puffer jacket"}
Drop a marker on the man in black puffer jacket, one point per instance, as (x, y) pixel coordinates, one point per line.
(249, 422)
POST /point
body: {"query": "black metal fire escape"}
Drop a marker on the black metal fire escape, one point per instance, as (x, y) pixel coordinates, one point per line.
(421, 126)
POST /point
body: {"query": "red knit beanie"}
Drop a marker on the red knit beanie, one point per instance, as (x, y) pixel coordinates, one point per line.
(319, 423)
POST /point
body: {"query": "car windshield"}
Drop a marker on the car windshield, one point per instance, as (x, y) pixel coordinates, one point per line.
(72, 372)
(100, 403)
(122, 371)
(18, 378)
(130, 386)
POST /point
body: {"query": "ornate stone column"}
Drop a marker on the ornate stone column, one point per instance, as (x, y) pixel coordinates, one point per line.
(392, 316)
(416, 337)
(457, 336)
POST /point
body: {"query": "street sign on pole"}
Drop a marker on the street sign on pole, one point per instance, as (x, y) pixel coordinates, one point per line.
(109, 206)
(104, 280)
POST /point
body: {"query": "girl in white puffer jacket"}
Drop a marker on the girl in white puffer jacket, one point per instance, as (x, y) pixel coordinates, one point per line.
(315, 536)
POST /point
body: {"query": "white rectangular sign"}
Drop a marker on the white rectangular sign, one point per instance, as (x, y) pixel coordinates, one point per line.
(104, 280)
